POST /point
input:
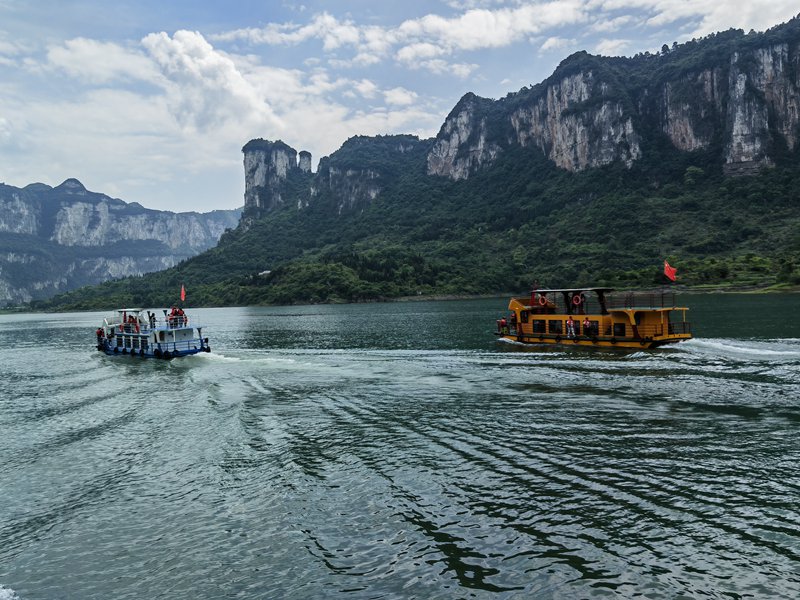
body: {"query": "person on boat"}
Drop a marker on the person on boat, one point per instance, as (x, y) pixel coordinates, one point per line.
(99, 334)
(587, 326)
(152, 319)
(512, 321)
(503, 325)
(570, 327)
(173, 316)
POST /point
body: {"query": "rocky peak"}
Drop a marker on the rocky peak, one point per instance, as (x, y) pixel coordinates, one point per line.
(305, 161)
(462, 144)
(72, 186)
(266, 165)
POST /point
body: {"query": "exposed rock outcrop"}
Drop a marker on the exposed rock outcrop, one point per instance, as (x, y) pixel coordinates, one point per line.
(267, 165)
(745, 107)
(462, 144)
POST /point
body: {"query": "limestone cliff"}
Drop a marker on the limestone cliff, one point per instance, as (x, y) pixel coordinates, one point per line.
(734, 94)
(56, 239)
(348, 180)
(462, 144)
(267, 166)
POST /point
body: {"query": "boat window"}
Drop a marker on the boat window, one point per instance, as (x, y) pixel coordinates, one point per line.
(619, 329)
(539, 326)
(523, 316)
(160, 336)
(555, 326)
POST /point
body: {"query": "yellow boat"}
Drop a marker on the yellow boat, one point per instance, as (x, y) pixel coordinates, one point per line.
(596, 317)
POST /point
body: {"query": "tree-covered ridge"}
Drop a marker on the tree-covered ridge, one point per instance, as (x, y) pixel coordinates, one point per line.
(520, 221)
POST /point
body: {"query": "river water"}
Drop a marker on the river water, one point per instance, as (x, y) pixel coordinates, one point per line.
(400, 451)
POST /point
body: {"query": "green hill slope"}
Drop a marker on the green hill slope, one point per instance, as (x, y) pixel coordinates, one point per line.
(522, 220)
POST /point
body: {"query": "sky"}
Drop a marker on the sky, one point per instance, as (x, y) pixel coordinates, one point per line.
(151, 101)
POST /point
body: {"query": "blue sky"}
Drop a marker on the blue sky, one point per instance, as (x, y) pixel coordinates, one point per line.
(152, 101)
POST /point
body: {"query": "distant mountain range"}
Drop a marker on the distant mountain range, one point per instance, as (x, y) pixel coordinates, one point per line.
(55, 239)
(594, 176)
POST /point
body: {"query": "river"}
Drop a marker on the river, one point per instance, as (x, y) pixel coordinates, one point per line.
(399, 451)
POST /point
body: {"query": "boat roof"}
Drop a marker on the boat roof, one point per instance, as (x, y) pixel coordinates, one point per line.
(584, 289)
(129, 310)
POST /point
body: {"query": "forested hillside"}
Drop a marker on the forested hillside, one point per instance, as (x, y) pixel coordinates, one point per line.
(523, 220)
(477, 210)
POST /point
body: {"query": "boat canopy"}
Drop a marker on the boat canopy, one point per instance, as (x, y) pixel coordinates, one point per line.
(134, 311)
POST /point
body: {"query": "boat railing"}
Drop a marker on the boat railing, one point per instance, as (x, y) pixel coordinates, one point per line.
(555, 304)
(665, 299)
(180, 345)
(680, 327)
(145, 327)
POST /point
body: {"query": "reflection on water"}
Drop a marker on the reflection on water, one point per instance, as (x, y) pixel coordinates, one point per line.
(398, 450)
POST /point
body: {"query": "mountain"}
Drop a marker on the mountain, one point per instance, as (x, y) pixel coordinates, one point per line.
(594, 176)
(54, 239)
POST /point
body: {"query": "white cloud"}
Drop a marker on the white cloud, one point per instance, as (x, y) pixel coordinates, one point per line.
(329, 29)
(613, 24)
(414, 53)
(611, 47)
(100, 62)
(366, 88)
(204, 87)
(421, 42)
(480, 28)
(556, 43)
(400, 96)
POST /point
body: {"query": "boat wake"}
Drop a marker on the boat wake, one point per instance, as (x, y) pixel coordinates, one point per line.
(745, 350)
(7, 593)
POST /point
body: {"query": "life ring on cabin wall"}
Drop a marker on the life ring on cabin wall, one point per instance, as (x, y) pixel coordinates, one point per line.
(542, 301)
(577, 300)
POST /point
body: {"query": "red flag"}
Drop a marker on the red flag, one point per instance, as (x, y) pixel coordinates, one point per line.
(669, 272)
(183, 293)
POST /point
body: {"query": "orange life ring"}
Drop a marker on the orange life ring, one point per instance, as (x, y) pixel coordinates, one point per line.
(576, 300)
(542, 301)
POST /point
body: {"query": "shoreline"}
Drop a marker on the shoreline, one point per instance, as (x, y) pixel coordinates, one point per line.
(782, 289)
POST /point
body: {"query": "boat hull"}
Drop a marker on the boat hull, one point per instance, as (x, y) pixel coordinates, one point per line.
(592, 342)
(167, 353)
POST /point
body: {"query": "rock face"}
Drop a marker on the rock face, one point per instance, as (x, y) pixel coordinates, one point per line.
(267, 165)
(743, 105)
(348, 180)
(56, 239)
(305, 161)
(691, 109)
(462, 145)
(764, 105)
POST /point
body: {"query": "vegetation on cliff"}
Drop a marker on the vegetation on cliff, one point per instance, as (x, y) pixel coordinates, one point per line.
(524, 219)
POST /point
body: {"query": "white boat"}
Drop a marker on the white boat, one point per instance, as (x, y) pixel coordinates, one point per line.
(135, 332)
